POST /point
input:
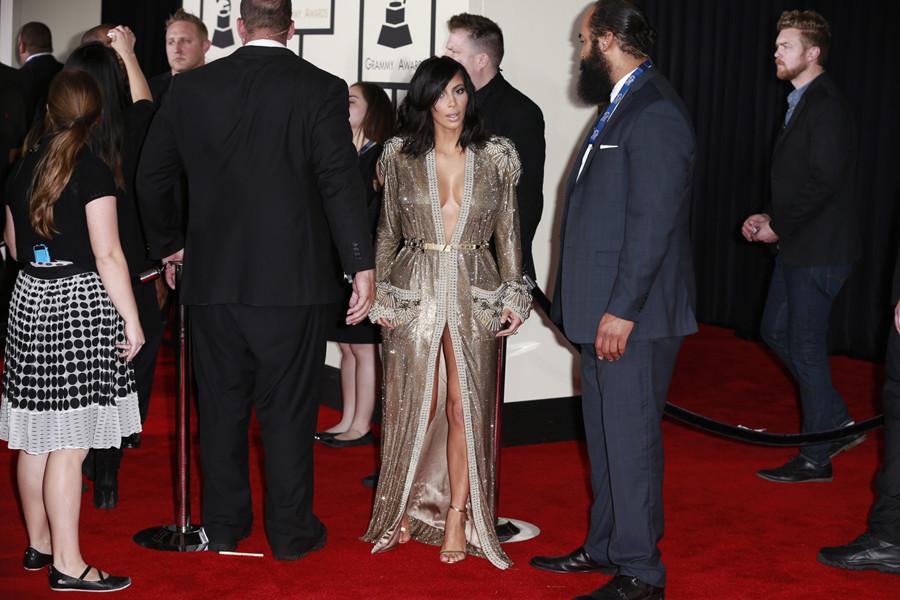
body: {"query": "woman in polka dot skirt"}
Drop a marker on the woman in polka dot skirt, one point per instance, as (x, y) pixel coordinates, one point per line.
(73, 328)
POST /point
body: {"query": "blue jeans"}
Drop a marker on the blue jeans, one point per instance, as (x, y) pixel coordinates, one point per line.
(795, 327)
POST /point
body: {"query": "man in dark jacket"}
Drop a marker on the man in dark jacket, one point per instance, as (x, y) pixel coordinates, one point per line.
(811, 218)
(35, 47)
(274, 192)
(476, 42)
(878, 548)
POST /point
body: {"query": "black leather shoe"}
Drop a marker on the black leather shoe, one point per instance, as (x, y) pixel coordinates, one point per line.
(363, 440)
(863, 553)
(60, 582)
(797, 470)
(576, 561)
(317, 546)
(221, 546)
(622, 587)
(845, 444)
(35, 561)
(132, 441)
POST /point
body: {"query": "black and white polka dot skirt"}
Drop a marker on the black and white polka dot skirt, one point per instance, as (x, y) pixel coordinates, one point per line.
(64, 385)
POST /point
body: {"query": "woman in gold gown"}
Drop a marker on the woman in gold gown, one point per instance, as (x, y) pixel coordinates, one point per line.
(444, 302)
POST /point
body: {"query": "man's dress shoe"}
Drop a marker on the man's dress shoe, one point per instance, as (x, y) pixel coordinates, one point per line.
(622, 587)
(317, 546)
(863, 553)
(35, 561)
(577, 561)
(797, 470)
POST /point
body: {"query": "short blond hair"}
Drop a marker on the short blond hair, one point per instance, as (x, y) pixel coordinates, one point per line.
(183, 15)
(814, 30)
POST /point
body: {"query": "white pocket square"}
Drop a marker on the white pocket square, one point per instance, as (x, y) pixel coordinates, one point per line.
(606, 147)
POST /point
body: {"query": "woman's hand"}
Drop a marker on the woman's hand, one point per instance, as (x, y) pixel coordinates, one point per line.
(134, 341)
(122, 40)
(384, 323)
(513, 322)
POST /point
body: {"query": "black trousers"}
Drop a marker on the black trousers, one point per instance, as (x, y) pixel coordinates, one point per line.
(144, 363)
(268, 359)
(622, 403)
(884, 519)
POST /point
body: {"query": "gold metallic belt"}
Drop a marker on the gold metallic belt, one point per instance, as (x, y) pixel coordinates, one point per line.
(423, 245)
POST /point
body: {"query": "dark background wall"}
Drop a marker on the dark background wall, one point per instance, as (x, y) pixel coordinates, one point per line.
(147, 19)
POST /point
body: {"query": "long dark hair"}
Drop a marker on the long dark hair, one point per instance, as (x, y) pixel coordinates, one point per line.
(73, 108)
(108, 138)
(378, 124)
(416, 124)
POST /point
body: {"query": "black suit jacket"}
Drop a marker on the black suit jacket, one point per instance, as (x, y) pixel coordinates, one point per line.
(159, 86)
(813, 206)
(12, 115)
(509, 113)
(264, 139)
(625, 232)
(36, 76)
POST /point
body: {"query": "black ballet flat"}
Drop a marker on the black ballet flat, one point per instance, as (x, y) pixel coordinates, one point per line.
(35, 561)
(324, 435)
(363, 440)
(60, 582)
(132, 441)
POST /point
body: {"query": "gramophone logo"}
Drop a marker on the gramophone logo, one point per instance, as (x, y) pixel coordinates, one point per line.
(395, 37)
(223, 36)
(395, 32)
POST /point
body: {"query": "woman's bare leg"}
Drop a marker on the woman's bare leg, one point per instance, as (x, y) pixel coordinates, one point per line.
(454, 546)
(366, 358)
(62, 499)
(348, 390)
(30, 475)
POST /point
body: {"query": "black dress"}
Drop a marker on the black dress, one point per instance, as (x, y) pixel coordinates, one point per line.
(365, 332)
(64, 385)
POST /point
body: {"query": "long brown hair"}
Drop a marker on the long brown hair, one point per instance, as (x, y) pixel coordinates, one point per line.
(73, 108)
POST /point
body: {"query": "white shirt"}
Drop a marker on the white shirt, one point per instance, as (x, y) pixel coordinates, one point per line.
(266, 43)
(35, 56)
(612, 96)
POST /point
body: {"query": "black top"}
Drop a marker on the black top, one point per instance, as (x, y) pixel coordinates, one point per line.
(137, 121)
(368, 161)
(509, 113)
(813, 206)
(12, 115)
(273, 178)
(91, 179)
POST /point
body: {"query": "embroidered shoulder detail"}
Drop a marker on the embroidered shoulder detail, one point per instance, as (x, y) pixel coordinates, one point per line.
(390, 151)
(503, 153)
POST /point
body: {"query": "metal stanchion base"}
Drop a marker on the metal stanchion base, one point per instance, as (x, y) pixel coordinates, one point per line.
(514, 530)
(173, 539)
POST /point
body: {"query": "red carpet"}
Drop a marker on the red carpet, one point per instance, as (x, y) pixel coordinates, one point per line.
(729, 534)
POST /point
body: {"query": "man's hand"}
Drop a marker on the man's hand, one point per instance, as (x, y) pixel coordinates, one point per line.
(758, 228)
(897, 317)
(170, 261)
(612, 337)
(362, 298)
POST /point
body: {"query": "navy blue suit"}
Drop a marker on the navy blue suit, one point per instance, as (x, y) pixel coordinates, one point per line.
(626, 251)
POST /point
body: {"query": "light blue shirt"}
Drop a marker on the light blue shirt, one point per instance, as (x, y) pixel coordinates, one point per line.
(793, 100)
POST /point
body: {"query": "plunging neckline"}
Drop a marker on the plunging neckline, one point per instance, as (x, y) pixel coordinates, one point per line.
(436, 206)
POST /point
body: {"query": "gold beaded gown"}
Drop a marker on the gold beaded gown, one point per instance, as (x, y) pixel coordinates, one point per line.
(423, 285)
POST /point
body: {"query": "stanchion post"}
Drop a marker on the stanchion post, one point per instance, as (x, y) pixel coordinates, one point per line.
(183, 536)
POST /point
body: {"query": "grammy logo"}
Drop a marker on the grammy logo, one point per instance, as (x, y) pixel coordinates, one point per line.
(395, 31)
(223, 37)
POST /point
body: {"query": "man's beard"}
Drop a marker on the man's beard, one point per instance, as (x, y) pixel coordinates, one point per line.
(785, 74)
(595, 82)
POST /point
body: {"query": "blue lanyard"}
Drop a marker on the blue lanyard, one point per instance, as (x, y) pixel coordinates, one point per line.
(367, 145)
(604, 118)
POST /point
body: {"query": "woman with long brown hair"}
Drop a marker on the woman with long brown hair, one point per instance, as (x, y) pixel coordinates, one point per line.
(73, 329)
